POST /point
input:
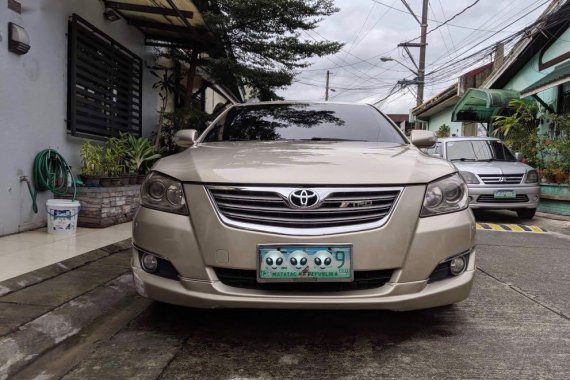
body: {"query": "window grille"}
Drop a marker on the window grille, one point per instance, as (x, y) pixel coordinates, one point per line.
(104, 84)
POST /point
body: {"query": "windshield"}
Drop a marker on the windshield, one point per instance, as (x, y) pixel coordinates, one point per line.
(307, 122)
(478, 150)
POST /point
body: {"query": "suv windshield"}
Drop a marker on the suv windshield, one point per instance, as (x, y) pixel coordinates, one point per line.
(308, 122)
(478, 150)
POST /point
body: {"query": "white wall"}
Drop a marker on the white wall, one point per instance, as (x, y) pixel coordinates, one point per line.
(33, 97)
(444, 117)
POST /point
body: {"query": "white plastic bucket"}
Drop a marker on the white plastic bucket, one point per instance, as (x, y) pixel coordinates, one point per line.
(62, 216)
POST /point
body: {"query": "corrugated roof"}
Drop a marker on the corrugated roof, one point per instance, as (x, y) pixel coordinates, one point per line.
(559, 75)
(478, 104)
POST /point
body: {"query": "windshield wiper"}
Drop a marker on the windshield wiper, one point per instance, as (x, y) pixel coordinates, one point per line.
(463, 159)
(330, 139)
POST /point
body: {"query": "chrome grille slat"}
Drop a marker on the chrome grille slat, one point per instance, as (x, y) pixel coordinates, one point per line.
(322, 210)
(268, 209)
(249, 199)
(295, 221)
(359, 198)
(495, 179)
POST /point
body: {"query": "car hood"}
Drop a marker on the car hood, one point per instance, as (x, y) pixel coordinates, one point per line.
(493, 167)
(301, 163)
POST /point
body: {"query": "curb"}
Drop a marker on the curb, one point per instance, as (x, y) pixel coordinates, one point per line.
(45, 332)
(40, 275)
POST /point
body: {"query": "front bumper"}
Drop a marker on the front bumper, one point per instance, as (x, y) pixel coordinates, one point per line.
(392, 296)
(531, 192)
(410, 246)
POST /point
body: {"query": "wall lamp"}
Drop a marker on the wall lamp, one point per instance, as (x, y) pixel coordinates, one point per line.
(18, 39)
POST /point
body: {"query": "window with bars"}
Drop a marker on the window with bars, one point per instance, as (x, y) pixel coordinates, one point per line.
(104, 84)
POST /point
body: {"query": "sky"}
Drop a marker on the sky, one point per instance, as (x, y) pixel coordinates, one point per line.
(370, 29)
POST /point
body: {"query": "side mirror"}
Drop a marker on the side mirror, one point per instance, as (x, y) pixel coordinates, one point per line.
(423, 139)
(186, 138)
(519, 156)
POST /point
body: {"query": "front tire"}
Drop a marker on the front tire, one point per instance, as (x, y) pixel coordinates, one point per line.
(526, 213)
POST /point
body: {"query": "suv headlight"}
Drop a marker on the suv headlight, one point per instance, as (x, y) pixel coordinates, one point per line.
(163, 193)
(531, 176)
(445, 195)
(469, 177)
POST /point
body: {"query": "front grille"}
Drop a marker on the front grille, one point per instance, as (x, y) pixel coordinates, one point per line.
(247, 279)
(339, 207)
(490, 198)
(501, 179)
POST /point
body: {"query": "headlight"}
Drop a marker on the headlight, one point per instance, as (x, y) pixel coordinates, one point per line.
(163, 193)
(469, 177)
(445, 195)
(531, 176)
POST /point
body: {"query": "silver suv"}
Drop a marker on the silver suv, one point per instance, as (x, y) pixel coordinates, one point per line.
(496, 178)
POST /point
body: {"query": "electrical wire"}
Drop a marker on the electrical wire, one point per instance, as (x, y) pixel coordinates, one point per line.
(454, 16)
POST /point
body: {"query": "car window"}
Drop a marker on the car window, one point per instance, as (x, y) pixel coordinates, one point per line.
(308, 122)
(434, 149)
(478, 150)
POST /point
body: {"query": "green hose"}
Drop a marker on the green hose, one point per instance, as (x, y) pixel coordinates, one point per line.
(50, 173)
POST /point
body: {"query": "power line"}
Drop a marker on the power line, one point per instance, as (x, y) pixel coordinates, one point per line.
(447, 26)
(454, 16)
(464, 44)
(512, 36)
(436, 21)
(373, 26)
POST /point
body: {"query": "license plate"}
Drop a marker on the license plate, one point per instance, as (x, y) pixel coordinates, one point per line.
(505, 194)
(305, 263)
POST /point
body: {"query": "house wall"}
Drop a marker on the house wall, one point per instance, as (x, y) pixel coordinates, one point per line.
(530, 73)
(33, 98)
(213, 98)
(444, 117)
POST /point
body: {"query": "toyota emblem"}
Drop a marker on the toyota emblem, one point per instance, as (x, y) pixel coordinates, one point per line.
(304, 198)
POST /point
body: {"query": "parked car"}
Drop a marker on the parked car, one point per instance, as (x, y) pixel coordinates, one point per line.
(495, 176)
(304, 205)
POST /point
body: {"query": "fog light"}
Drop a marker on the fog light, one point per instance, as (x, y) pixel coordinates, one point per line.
(470, 199)
(149, 263)
(535, 198)
(457, 265)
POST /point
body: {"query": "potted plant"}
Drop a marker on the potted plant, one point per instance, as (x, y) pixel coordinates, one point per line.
(548, 175)
(91, 163)
(113, 163)
(140, 152)
(560, 176)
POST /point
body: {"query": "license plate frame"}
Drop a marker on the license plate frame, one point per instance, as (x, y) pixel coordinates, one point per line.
(505, 194)
(336, 250)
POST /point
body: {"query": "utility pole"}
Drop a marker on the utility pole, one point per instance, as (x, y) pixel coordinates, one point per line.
(327, 87)
(422, 64)
(421, 67)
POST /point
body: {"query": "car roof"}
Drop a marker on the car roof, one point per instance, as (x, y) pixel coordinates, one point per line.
(466, 138)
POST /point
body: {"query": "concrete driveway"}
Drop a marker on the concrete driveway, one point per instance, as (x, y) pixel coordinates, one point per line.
(516, 324)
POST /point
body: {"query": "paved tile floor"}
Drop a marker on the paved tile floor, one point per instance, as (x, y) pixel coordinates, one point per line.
(28, 251)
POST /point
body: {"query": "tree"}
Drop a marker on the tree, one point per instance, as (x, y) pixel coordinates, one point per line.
(262, 41)
(443, 131)
(519, 128)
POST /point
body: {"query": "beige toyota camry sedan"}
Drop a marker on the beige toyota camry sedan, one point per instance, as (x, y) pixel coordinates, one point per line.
(304, 205)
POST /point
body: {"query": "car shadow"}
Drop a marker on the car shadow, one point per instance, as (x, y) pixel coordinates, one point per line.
(309, 328)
